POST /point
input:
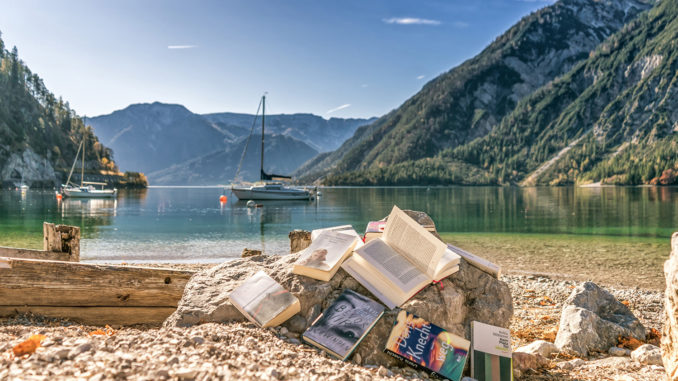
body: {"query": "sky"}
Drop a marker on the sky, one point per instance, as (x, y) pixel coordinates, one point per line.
(345, 58)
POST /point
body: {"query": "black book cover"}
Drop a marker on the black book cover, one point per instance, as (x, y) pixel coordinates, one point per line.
(344, 324)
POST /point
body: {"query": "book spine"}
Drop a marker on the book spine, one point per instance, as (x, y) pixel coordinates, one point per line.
(415, 365)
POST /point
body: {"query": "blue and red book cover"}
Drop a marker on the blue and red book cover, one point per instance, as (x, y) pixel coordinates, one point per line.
(424, 345)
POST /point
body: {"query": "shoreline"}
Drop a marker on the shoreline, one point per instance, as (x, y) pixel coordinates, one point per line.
(240, 350)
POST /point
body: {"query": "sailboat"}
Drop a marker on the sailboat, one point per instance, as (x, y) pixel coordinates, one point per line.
(265, 189)
(86, 188)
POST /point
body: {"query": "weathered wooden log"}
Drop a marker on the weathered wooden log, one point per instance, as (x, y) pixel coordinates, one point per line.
(55, 287)
(33, 254)
(62, 239)
(98, 316)
(299, 240)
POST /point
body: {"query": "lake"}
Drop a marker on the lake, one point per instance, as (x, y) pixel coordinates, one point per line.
(590, 232)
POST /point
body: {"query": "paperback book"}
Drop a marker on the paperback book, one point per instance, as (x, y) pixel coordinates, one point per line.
(322, 258)
(491, 357)
(344, 229)
(426, 346)
(402, 261)
(476, 261)
(264, 301)
(342, 326)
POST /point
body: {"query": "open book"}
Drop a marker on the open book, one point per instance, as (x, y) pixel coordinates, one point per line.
(322, 258)
(344, 229)
(406, 258)
(264, 301)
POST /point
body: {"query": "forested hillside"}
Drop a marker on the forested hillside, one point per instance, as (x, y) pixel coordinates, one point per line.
(458, 129)
(40, 133)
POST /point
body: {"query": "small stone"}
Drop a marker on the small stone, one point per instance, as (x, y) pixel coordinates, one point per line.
(540, 347)
(357, 358)
(197, 340)
(619, 352)
(79, 349)
(283, 331)
(296, 324)
(274, 373)
(575, 363)
(383, 372)
(173, 360)
(162, 373)
(517, 374)
(62, 353)
(250, 342)
(186, 373)
(647, 354)
(525, 361)
(249, 253)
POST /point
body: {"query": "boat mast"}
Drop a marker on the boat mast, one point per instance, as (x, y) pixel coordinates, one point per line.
(263, 117)
(82, 171)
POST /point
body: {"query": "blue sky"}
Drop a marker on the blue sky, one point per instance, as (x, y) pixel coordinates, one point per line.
(331, 58)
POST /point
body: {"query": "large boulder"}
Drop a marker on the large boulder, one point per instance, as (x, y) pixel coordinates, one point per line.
(468, 295)
(592, 320)
(670, 331)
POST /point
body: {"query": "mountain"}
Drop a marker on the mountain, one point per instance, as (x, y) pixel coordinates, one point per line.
(156, 138)
(283, 154)
(469, 101)
(613, 118)
(40, 133)
(322, 134)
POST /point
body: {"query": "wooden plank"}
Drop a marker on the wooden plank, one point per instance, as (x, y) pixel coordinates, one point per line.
(100, 316)
(62, 239)
(33, 282)
(34, 254)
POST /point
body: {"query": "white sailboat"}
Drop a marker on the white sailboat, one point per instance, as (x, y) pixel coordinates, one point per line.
(86, 188)
(266, 190)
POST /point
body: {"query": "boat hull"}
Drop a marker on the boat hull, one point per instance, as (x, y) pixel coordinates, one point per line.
(255, 194)
(106, 193)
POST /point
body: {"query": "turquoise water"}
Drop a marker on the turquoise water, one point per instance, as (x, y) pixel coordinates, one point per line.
(189, 224)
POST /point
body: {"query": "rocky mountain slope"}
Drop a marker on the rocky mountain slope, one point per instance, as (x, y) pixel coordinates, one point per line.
(40, 133)
(470, 101)
(613, 118)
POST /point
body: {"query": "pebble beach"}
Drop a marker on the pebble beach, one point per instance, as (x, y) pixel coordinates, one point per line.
(241, 351)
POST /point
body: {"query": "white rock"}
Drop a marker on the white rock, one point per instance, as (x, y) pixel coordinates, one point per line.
(185, 373)
(567, 365)
(540, 347)
(619, 352)
(647, 354)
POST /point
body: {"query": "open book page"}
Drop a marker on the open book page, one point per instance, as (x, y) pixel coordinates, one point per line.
(261, 298)
(449, 262)
(413, 241)
(326, 250)
(353, 268)
(397, 269)
(342, 229)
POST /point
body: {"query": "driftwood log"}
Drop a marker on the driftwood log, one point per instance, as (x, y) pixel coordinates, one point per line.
(88, 293)
(60, 243)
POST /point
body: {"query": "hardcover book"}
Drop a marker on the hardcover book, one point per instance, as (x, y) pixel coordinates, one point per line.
(426, 346)
(406, 258)
(374, 230)
(344, 229)
(342, 326)
(264, 301)
(491, 357)
(322, 258)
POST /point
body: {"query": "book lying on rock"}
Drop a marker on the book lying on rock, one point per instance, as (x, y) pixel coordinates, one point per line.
(344, 229)
(404, 260)
(322, 258)
(476, 261)
(342, 326)
(424, 345)
(264, 301)
(491, 357)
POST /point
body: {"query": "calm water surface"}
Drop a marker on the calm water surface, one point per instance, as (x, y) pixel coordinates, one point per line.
(189, 224)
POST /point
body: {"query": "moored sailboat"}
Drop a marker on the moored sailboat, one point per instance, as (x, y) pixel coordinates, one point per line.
(265, 189)
(86, 188)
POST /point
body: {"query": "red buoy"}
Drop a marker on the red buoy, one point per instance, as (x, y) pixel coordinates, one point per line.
(223, 199)
(59, 196)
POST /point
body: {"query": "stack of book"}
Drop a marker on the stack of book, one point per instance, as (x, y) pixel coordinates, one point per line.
(396, 259)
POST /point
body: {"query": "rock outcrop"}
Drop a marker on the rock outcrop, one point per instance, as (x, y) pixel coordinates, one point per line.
(592, 319)
(468, 295)
(669, 342)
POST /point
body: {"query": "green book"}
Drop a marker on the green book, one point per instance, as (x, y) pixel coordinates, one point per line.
(491, 358)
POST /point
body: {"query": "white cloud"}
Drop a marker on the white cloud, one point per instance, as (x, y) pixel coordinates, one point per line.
(410, 21)
(421, 76)
(181, 46)
(338, 108)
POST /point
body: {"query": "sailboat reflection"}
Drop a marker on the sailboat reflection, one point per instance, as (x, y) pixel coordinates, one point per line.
(88, 207)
